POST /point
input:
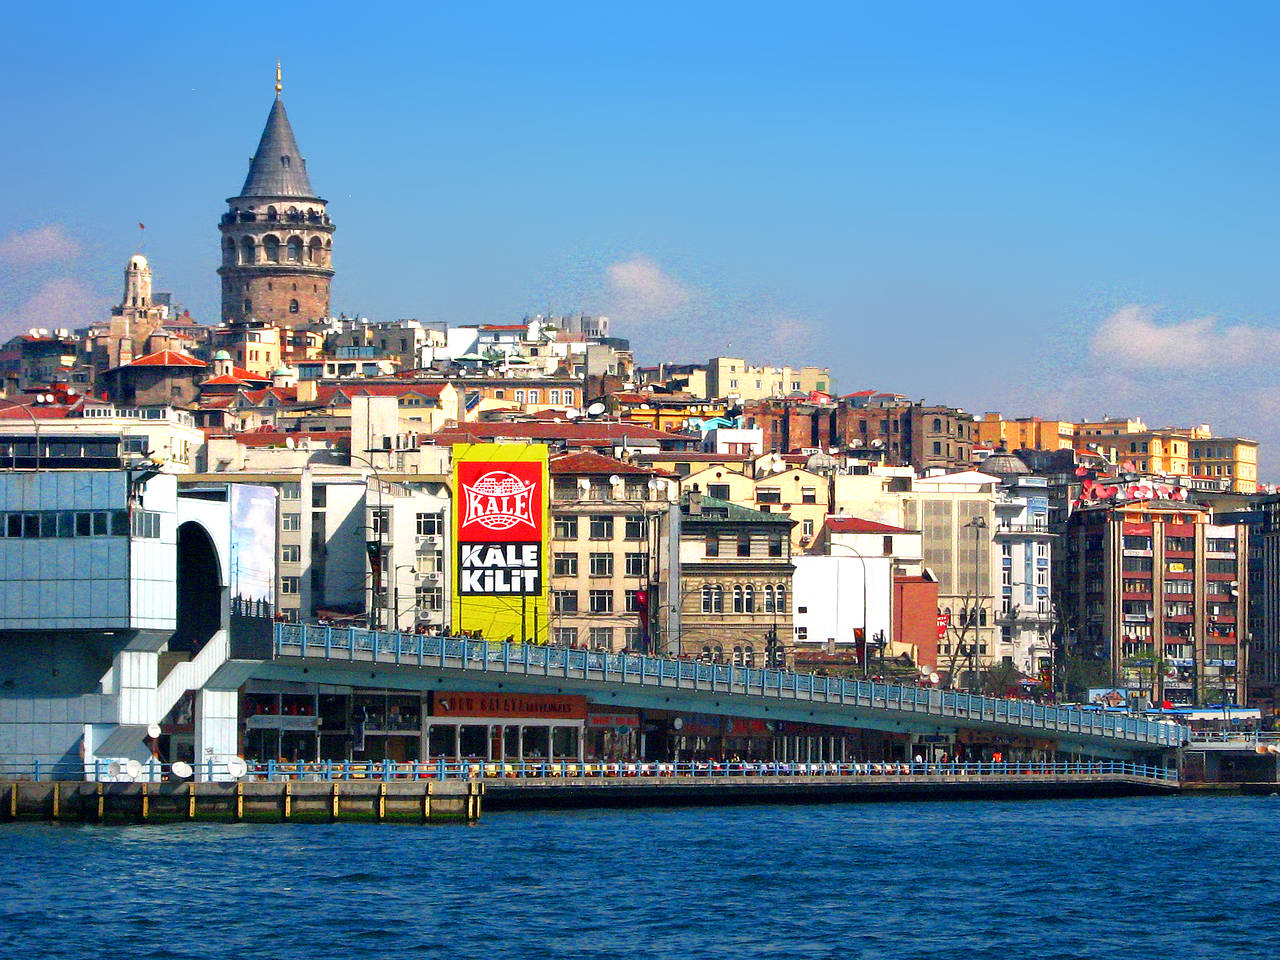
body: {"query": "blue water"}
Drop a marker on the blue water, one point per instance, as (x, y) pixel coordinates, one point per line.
(1126, 878)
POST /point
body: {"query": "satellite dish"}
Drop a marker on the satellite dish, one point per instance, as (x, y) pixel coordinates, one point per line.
(181, 769)
(925, 670)
(237, 768)
(153, 730)
(595, 409)
(132, 769)
(934, 678)
(572, 413)
(677, 723)
(290, 443)
(614, 480)
(114, 769)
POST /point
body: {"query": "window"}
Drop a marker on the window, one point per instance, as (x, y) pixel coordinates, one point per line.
(319, 495)
(290, 521)
(632, 601)
(635, 638)
(380, 520)
(712, 598)
(601, 601)
(713, 545)
(806, 528)
(802, 634)
(565, 528)
(744, 545)
(768, 598)
(775, 545)
(428, 524)
(718, 491)
(601, 564)
(634, 528)
(564, 601)
(289, 585)
(782, 598)
(146, 524)
(808, 494)
(637, 565)
(291, 553)
(601, 528)
(555, 396)
(737, 599)
(564, 636)
(749, 599)
(768, 495)
(601, 638)
(293, 306)
(429, 599)
(565, 564)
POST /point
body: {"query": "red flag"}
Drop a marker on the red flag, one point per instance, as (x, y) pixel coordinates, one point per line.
(141, 226)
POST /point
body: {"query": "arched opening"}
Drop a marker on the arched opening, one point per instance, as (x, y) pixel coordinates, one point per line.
(295, 249)
(313, 250)
(271, 214)
(229, 251)
(199, 589)
(248, 250)
(271, 248)
(293, 306)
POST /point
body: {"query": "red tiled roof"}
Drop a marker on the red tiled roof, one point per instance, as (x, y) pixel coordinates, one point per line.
(504, 326)
(697, 456)
(856, 525)
(571, 431)
(18, 411)
(595, 463)
(167, 358)
(223, 381)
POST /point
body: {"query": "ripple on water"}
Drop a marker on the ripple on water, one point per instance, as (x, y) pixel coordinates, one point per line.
(1049, 879)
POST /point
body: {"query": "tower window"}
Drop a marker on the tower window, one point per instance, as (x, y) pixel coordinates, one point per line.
(284, 161)
(248, 306)
(293, 306)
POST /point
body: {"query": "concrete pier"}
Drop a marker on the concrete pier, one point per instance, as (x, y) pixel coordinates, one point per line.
(371, 801)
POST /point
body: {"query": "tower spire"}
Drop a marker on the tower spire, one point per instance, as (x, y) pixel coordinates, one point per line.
(279, 85)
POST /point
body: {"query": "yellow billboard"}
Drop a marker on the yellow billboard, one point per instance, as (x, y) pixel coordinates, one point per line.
(501, 522)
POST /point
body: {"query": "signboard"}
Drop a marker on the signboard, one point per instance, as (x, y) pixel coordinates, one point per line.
(543, 706)
(499, 537)
(944, 621)
(1096, 490)
(253, 569)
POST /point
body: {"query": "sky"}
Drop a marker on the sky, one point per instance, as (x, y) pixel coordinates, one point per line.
(1063, 211)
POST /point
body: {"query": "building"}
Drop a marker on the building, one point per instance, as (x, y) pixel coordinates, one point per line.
(1149, 597)
(955, 515)
(127, 333)
(93, 435)
(735, 583)
(277, 238)
(1030, 433)
(1234, 458)
(733, 377)
(613, 569)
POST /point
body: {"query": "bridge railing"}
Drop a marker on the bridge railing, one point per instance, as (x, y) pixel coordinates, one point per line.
(541, 770)
(353, 643)
(329, 770)
(1235, 736)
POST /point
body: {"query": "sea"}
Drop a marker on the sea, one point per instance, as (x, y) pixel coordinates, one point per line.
(1134, 878)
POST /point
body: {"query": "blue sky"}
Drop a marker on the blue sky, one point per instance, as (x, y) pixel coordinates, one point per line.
(1064, 211)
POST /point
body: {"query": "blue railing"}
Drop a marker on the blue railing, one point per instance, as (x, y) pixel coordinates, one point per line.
(409, 649)
(329, 770)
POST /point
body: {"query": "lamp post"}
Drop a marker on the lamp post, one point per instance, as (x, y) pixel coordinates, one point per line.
(379, 531)
(35, 426)
(866, 670)
(395, 601)
(648, 577)
(977, 525)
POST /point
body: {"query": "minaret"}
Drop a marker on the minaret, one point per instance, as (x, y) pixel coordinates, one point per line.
(277, 238)
(137, 284)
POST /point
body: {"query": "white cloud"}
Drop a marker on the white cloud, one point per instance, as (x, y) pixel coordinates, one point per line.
(1132, 338)
(39, 247)
(63, 302)
(645, 288)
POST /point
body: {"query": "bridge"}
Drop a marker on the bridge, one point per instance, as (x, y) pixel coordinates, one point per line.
(416, 662)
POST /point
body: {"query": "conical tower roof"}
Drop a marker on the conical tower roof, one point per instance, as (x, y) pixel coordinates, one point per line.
(277, 168)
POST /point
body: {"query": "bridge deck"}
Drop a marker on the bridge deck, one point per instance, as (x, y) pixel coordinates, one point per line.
(750, 689)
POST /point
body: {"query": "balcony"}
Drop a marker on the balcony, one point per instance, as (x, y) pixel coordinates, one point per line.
(1022, 530)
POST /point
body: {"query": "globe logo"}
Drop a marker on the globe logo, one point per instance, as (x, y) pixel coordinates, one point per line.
(499, 501)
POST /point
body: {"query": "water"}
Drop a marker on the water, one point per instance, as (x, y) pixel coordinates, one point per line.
(1188, 877)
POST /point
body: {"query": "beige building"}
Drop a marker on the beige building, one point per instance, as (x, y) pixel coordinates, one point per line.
(610, 556)
(1030, 433)
(1232, 458)
(734, 377)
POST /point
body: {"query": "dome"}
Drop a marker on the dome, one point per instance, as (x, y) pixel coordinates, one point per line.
(222, 355)
(137, 262)
(1003, 464)
(282, 372)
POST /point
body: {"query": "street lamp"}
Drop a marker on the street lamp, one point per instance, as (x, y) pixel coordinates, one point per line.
(863, 563)
(977, 525)
(35, 425)
(379, 530)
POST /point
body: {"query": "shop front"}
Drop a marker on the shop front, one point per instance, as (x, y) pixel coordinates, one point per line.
(505, 727)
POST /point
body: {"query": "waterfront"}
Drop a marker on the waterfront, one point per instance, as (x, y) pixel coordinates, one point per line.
(1116, 878)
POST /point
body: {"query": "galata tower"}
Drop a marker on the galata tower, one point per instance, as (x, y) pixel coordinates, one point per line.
(277, 238)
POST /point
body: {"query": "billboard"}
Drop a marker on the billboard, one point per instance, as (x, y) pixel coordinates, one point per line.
(253, 569)
(500, 527)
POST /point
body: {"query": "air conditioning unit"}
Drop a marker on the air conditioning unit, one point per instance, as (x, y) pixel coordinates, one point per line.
(432, 578)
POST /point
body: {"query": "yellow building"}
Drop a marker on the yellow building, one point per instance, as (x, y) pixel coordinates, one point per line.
(1090, 430)
(1026, 433)
(1152, 451)
(662, 411)
(734, 377)
(1233, 458)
